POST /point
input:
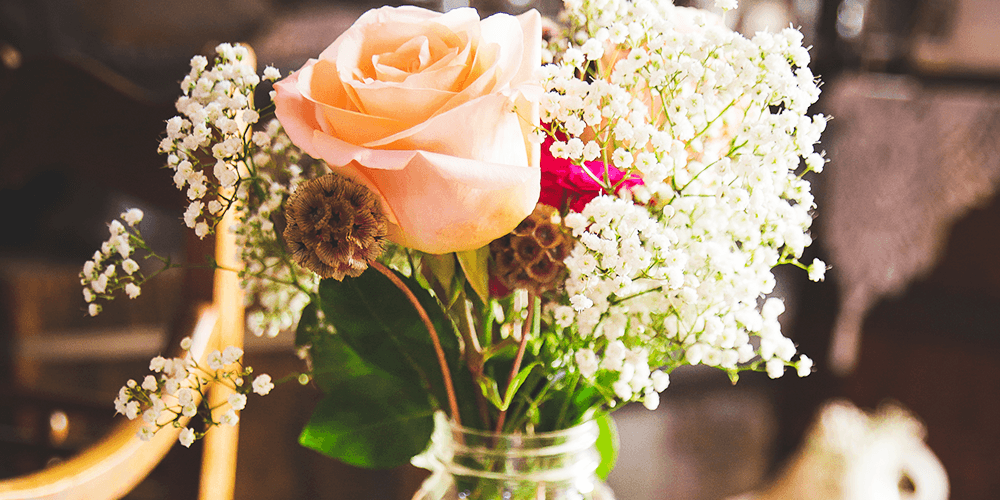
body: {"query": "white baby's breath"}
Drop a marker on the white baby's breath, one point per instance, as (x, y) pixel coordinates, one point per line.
(186, 382)
(186, 437)
(262, 384)
(679, 267)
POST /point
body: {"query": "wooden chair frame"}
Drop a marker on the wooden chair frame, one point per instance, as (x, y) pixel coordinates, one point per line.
(114, 466)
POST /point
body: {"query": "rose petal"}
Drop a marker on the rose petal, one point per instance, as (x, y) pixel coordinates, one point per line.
(480, 79)
(490, 131)
(406, 106)
(527, 108)
(489, 137)
(336, 113)
(461, 20)
(503, 59)
(359, 63)
(531, 50)
(382, 33)
(397, 67)
(433, 196)
(298, 115)
(455, 56)
(447, 73)
(411, 57)
(505, 33)
(410, 18)
(428, 196)
(320, 82)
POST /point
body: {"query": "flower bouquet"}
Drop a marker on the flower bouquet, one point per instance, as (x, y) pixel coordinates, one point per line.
(514, 224)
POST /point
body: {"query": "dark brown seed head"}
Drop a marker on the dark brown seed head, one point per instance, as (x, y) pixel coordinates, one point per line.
(335, 226)
(531, 256)
(548, 235)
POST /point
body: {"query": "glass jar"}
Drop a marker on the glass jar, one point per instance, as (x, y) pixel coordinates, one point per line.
(469, 464)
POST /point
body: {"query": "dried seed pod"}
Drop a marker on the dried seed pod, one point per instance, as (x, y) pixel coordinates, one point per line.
(531, 256)
(335, 226)
(525, 227)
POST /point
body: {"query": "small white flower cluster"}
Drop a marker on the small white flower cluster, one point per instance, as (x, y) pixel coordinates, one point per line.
(113, 268)
(253, 172)
(272, 282)
(716, 126)
(216, 117)
(176, 390)
(632, 378)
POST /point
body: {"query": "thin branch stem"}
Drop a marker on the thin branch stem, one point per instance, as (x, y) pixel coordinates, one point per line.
(445, 374)
(474, 358)
(520, 354)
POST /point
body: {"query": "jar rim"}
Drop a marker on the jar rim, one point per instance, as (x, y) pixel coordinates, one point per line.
(551, 456)
(586, 426)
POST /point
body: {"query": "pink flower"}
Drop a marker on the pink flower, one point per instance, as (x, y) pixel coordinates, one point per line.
(432, 112)
(565, 184)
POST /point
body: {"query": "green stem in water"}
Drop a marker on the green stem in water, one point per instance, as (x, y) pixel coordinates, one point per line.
(565, 405)
(533, 303)
(474, 358)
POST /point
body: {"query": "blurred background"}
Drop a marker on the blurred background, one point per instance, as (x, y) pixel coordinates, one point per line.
(908, 217)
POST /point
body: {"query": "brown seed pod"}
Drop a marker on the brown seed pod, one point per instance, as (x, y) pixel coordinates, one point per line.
(335, 226)
(531, 256)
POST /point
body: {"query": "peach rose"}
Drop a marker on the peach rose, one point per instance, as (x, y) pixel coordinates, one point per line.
(432, 112)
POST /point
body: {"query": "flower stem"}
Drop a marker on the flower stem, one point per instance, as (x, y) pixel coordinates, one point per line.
(445, 374)
(528, 322)
(474, 357)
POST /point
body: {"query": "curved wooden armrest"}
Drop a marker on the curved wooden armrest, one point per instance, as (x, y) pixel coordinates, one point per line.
(120, 461)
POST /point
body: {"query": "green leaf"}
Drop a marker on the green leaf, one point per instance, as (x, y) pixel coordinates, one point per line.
(491, 391)
(335, 364)
(516, 384)
(380, 325)
(368, 418)
(375, 421)
(607, 444)
(505, 351)
(475, 264)
(564, 408)
(443, 269)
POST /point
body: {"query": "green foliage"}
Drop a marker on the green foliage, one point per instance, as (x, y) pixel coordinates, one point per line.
(368, 417)
(379, 371)
(475, 265)
(358, 428)
(607, 444)
(380, 324)
(382, 381)
(492, 391)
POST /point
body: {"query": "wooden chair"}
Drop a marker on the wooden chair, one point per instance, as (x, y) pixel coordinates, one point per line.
(120, 461)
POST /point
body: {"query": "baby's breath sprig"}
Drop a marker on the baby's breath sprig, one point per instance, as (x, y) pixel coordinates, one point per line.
(252, 171)
(176, 392)
(210, 143)
(670, 272)
(222, 162)
(275, 286)
(113, 268)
